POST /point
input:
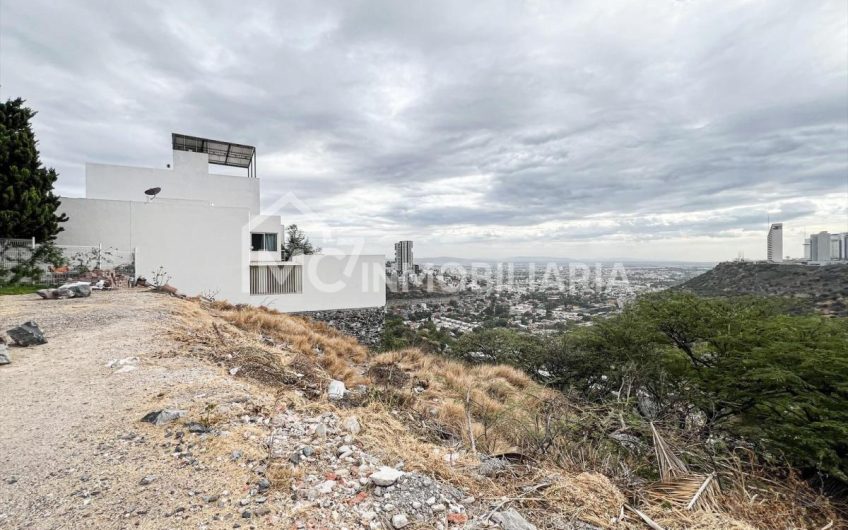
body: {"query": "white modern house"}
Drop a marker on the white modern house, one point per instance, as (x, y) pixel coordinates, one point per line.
(206, 231)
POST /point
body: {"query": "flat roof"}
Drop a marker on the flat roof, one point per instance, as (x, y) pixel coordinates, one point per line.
(222, 153)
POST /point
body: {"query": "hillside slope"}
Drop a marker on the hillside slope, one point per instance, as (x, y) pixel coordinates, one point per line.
(261, 443)
(823, 288)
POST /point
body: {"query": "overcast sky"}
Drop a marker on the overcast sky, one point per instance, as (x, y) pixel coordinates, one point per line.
(652, 129)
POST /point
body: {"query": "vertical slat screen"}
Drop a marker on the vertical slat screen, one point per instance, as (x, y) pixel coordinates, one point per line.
(276, 279)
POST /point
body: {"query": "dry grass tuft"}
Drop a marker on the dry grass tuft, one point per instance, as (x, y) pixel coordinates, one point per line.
(590, 495)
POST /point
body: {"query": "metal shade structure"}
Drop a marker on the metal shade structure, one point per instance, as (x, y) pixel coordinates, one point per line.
(221, 153)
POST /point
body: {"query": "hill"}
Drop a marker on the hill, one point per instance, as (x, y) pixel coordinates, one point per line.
(824, 288)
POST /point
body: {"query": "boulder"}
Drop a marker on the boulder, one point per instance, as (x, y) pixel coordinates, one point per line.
(27, 334)
(4, 354)
(512, 520)
(74, 290)
(386, 476)
(47, 294)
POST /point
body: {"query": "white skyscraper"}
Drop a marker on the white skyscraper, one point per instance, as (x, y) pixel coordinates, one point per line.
(775, 243)
(820, 247)
(403, 257)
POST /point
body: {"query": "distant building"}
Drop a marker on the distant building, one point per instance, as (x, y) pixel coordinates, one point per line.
(820, 247)
(775, 243)
(807, 254)
(403, 257)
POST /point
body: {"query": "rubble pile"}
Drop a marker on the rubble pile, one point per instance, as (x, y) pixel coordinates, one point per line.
(351, 486)
(365, 325)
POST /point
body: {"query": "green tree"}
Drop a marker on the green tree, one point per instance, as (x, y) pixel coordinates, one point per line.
(753, 371)
(297, 243)
(27, 203)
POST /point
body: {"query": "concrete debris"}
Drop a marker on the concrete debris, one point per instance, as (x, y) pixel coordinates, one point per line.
(4, 354)
(147, 480)
(512, 520)
(336, 390)
(160, 417)
(27, 334)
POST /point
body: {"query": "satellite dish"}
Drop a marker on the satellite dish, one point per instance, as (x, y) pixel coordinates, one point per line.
(152, 192)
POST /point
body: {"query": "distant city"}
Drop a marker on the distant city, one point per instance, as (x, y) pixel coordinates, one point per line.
(819, 249)
(538, 295)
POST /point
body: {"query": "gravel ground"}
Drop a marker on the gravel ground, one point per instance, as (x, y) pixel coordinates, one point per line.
(74, 453)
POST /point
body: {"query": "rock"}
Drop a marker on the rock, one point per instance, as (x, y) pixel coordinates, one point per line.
(336, 390)
(307, 450)
(296, 457)
(149, 479)
(399, 520)
(492, 466)
(4, 354)
(246, 514)
(438, 507)
(160, 417)
(197, 428)
(264, 484)
(386, 476)
(47, 294)
(512, 520)
(27, 334)
(351, 425)
(628, 441)
(321, 430)
(74, 290)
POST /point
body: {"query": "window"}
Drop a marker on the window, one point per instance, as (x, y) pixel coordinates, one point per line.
(264, 242)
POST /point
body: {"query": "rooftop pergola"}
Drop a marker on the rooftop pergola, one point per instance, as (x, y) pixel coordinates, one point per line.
(221, 153)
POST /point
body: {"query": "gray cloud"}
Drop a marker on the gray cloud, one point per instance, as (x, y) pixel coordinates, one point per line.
(489, 124)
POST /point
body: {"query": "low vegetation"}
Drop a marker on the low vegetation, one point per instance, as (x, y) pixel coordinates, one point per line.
(640, 409)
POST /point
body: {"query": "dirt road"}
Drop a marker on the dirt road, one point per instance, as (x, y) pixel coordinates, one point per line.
(74, 453)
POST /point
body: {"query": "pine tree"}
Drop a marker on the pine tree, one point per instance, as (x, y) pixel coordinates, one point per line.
(27, 203)
(297, 244)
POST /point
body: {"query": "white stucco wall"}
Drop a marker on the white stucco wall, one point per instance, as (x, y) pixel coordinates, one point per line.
(189, 179)
(200, 246)
(333, 282)
(207, 248)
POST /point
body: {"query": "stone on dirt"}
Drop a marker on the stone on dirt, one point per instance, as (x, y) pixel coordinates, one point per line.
(386, 476)
(512, 520)
(336, 390)
(160, 417)
(351, 425)
(4, 353)
(27, 334)
(399, 520)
